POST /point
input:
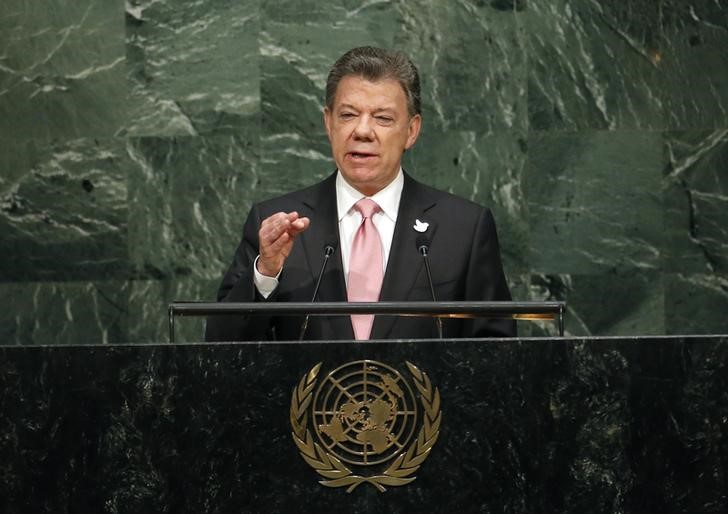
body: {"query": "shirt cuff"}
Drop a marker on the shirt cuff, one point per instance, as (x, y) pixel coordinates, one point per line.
(264, 284)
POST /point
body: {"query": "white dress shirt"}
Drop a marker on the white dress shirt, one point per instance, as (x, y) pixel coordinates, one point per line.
(349, 221)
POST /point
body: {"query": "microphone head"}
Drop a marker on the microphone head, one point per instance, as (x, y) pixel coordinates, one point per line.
(330, 246)
(423, 244)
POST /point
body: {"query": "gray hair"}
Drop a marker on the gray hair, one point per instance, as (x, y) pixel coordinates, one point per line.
(376, 64)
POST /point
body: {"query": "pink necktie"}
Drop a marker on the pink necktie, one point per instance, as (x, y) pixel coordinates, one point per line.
(365, 266)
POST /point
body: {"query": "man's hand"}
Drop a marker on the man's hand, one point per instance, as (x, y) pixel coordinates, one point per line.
(276, 236)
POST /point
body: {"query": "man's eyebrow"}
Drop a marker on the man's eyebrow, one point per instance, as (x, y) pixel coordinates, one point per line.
(377, 110)
(347, 106)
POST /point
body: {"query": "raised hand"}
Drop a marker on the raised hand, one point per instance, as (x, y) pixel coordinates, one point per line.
(276, 236)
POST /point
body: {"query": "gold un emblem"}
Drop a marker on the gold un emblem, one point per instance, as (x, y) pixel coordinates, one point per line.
(367, 424)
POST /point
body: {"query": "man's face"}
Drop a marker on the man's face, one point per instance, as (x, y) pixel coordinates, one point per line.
(369, 129)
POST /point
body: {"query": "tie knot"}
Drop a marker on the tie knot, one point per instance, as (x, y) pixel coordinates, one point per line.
(367, 207)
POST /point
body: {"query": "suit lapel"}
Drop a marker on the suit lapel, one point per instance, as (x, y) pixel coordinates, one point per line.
(325, 230)
(404, 263)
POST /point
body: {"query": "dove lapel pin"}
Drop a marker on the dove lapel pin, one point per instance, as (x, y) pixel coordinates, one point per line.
(420, 226)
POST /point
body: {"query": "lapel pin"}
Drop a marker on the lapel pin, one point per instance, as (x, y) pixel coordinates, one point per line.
(420, 226)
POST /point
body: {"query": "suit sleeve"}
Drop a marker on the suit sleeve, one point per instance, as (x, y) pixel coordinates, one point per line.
(238, 286)
(486, 280)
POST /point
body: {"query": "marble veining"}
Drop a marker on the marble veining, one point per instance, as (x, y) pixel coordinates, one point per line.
(63, 210)
(135, 136)
(55, 60)
(192, 70)
(696, 198)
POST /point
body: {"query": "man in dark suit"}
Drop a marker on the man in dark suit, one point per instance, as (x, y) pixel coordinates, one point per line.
(372, 117)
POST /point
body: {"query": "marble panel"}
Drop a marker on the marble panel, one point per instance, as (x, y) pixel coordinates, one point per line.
(148, 302)
(696, 201)
(586, 216)
(524, 287)
(670, 380)
(63, 209)
(464, 85)
(694, 63)
(193, 67)
(485, 168)
(62, 69)
(53, 313)
(620, 303)
(696, 303)
(593, 64)
(594, 201)
(626, 303)
(294, 145)
(188, 199)
(471, 61)
(309, 35)
(299, 42)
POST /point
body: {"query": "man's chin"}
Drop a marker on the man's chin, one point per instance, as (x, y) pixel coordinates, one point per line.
(366, 181)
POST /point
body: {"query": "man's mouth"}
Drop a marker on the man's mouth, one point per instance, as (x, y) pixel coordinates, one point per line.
(361, 155)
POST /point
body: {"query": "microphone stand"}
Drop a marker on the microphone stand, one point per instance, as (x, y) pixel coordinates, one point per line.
(423, 247)
(328, 252)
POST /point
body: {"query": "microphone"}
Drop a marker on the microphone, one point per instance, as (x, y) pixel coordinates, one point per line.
(423, 246)
(329, 250)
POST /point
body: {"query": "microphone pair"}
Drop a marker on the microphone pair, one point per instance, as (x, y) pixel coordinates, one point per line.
(423, 247)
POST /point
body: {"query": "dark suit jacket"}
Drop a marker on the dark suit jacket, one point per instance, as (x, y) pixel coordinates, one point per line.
(464, 258)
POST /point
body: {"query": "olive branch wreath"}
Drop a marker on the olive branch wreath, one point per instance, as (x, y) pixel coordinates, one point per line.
(336, 472)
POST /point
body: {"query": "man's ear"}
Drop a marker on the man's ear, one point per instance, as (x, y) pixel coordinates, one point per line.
(413, 131)
(327, 121)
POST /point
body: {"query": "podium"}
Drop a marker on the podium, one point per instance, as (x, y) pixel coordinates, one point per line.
(526, 425)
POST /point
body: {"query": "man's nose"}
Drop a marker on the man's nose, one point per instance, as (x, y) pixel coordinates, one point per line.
(364, 128)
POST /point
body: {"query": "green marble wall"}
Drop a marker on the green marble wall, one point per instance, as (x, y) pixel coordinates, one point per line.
(134, 136)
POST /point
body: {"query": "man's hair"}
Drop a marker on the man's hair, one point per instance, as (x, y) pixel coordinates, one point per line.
(376, 64)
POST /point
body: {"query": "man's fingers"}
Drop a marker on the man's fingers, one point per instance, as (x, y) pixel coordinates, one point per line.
(277, 246)
(275, 237)
(299, 225)
(273, 254)
(272, 227)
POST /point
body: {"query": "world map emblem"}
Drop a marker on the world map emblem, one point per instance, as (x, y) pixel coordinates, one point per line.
(365, 422)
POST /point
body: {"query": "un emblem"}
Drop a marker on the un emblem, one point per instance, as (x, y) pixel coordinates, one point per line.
(367, 425)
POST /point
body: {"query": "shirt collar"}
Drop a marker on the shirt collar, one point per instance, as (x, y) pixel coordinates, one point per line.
(388, 198)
